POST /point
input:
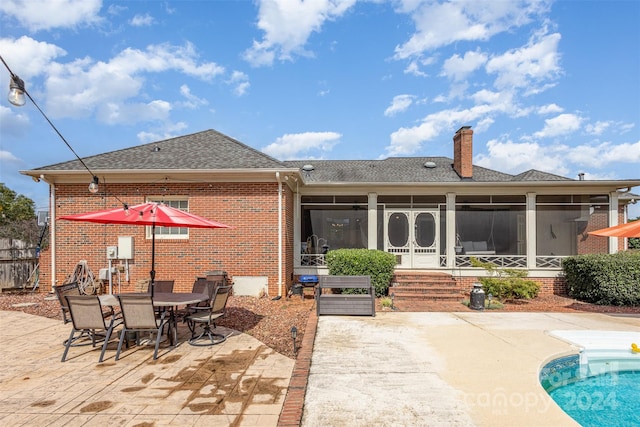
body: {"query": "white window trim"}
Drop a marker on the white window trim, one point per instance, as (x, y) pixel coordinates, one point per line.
(161, 199)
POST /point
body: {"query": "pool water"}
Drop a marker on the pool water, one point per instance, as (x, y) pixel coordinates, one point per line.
(610, 398)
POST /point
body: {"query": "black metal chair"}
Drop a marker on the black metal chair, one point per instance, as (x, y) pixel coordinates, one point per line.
(88, 318)
(62, 291)
(206, 316)
(139, 315)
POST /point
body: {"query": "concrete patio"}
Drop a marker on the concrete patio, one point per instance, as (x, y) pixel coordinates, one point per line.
(238, 383)
(401, 369)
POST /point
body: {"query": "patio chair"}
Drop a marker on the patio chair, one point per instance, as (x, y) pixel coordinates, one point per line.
(62, 291)
(88, 318)
(200, 286)
(162, 286)
(139, 315)
(206, 316)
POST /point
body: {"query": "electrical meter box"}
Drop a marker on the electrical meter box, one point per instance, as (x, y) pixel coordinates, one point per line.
(125, 247)
(112, 252)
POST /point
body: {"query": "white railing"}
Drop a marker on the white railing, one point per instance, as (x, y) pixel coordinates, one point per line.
(505, 261)
(313, 260)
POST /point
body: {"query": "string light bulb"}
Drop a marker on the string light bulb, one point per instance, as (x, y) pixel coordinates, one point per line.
(16, 92)
(93, 187)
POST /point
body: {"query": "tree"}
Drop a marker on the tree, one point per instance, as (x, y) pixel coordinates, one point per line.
(17, 216)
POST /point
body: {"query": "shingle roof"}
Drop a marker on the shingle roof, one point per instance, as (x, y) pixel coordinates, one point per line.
(536, 175)
(206, 150)
(404, 169)
(212, 150)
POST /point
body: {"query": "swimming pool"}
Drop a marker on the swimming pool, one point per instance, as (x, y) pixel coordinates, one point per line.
(596, 388)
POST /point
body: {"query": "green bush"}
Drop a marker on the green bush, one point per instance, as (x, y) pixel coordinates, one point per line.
(605, 279)
(506, 283)
(363, 262)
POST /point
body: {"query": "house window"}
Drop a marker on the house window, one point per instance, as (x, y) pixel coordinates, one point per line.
(171, 232)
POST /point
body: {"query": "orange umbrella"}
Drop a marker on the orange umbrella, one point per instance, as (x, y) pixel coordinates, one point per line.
(630, 229)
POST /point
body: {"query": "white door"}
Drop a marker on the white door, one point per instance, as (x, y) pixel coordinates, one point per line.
(412, 235)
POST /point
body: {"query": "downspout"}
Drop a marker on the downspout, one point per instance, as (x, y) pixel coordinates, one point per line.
(52, 231)
(279, 234)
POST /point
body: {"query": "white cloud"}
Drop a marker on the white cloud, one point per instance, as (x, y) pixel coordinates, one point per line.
(530, 67)
(457, 68)
(191, 101)
(28, 57)
(598, 127)
(47, 14)
(414, 69)
(116, 9)
(121, 113)
(8, 157)
(514, 157)
(145, 20)
(408, 141)
(560, 125)
(13, 122)
(603, 154)
(399, 104)
(165, 131)
(443, 23)
(79, 88)
(297, 145)
(240, 81)
(287, 25)
(550, 109)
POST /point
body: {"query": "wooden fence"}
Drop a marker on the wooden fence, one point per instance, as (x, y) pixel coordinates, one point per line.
(17, 262)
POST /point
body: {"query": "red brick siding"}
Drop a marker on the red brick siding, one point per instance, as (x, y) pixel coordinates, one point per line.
(548, 285)
(249, 249)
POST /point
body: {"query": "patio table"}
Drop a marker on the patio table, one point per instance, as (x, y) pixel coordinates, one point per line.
(167, 300)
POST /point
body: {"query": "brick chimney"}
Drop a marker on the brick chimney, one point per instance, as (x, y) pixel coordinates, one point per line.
(463, 152)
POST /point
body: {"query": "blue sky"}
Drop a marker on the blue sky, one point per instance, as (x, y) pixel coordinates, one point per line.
(548, 85)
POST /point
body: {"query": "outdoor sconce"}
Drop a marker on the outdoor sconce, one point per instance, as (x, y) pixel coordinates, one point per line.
(294, 335)
(16, 92)
(93, 187)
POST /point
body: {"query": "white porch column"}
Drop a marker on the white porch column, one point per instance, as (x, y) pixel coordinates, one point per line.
(372, 218)
(451, 230)
(531, 230)
(613, 220)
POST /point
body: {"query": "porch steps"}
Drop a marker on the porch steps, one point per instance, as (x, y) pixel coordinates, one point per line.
(414, 286)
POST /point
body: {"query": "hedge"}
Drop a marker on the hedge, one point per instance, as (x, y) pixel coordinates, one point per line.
(605, 279)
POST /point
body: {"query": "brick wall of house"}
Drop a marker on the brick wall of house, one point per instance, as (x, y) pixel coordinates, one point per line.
(249, 249)
(548, 285)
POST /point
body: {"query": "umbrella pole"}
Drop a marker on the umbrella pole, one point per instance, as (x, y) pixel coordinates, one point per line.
(152, 273)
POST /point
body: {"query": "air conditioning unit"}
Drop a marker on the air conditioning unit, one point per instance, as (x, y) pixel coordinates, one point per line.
(43, 218)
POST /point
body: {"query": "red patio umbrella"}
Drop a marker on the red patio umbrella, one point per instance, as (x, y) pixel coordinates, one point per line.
(630, 229)
(147, 214)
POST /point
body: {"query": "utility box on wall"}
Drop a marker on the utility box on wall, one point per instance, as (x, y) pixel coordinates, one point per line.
(125, 247)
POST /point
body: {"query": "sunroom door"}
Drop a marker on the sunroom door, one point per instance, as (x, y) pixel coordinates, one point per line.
(412, 235)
